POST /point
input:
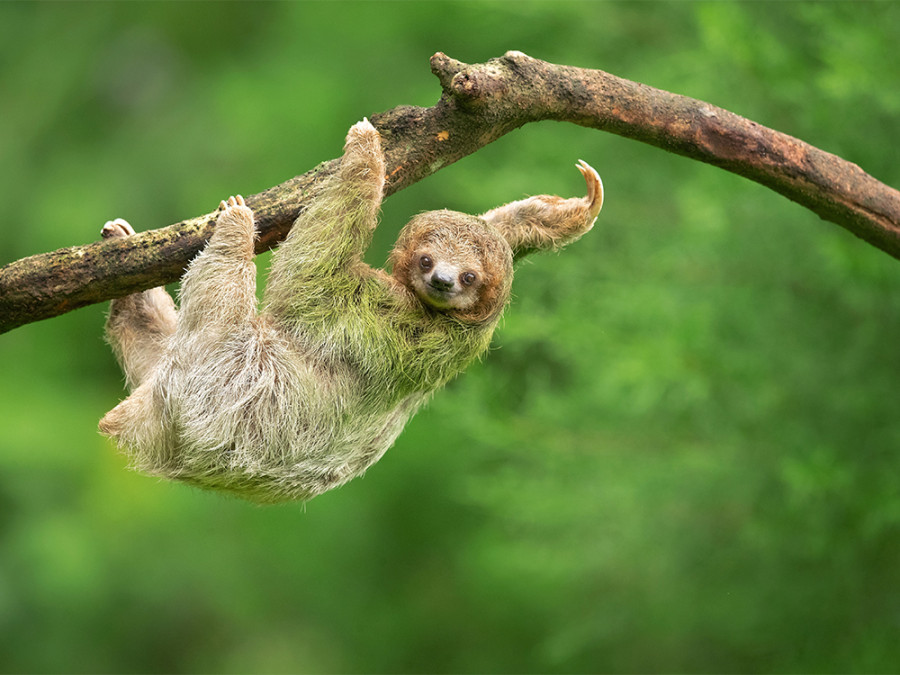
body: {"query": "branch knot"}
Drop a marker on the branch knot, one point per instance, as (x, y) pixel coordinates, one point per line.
(445, 68)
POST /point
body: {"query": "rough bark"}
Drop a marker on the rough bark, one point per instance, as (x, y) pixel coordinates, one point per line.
(479, 103)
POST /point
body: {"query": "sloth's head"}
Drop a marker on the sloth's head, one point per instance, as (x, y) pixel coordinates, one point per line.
(456, 264)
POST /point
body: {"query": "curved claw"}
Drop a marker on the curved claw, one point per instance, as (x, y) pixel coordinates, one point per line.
(231, 203)
(116, 228)
(594, 186)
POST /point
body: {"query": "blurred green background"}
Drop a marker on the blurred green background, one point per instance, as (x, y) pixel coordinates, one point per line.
(683, 453)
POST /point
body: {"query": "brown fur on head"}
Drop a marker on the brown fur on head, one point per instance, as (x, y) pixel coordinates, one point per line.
(456, 264)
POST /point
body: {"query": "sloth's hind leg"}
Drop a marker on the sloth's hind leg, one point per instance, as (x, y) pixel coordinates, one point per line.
(218, 291)
(139, 325)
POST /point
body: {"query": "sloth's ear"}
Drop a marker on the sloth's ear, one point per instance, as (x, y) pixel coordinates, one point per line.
(546, 222)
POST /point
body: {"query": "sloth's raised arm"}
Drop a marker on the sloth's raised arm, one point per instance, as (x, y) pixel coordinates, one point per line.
(547, 222)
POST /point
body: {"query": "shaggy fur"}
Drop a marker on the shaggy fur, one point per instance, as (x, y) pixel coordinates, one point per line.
(300, 397)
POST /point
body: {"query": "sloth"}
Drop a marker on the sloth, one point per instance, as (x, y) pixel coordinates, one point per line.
(285, 401)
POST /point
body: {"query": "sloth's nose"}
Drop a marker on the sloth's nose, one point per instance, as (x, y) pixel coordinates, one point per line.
(442, 281)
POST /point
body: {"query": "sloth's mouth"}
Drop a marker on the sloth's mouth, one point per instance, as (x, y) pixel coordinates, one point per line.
(441, 297)
(438, 290)
(437, 297)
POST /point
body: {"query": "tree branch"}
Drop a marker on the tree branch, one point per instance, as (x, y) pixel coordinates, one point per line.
(479, 103)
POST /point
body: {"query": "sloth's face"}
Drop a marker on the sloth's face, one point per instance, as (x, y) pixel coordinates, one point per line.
(454, 263)
(442, 282)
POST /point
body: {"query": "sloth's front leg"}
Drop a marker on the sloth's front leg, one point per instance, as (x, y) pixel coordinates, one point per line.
(323, 253)
(362, 168)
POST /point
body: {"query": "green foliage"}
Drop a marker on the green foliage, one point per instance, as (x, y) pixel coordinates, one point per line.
(681, 454)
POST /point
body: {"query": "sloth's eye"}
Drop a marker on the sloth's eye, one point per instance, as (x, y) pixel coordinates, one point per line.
(425, 262)
(468, 278)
